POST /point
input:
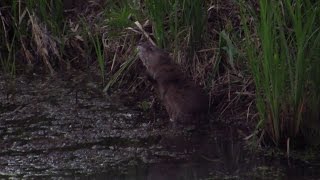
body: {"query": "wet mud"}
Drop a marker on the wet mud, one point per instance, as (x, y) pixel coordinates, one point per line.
(58, 127)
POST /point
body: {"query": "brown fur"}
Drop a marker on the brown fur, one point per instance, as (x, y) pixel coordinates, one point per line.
(185, 102)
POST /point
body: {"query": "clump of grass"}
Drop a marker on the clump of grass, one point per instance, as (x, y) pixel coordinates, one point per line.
(99, 49)
(118, 76)
(283, 63)
(7, 57)
(227, 45)
(194, 19)
(8, 60)
(120, 15)
(99, 52)
(181, 21)
(9, 37)
(158, 11)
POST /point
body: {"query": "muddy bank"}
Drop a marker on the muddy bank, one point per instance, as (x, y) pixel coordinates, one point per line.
(67, 127)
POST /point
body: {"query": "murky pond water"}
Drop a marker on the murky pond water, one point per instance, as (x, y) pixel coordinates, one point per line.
(58, 128)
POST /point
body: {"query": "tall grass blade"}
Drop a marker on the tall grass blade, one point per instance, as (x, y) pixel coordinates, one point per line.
(123, 68)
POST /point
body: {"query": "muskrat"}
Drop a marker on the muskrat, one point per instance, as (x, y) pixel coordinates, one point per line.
(185, 102)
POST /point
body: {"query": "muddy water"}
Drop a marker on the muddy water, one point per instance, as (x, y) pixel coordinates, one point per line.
(67, 128)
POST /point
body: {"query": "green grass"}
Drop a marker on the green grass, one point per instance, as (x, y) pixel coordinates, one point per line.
(8, 60)
(120, 15)
(99, 51)
(96, 42)
(282, 64)
(228, 47)
(118, 76)
(158, 12)
(177, 21)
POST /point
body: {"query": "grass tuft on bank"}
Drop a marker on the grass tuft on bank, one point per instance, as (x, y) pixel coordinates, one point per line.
(282, 47)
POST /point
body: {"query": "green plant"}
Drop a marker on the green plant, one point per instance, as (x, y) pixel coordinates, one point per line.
(99, 51)
(194, 19)
(98, 46)
(119, 15)
(158, 11)
(283, 64)
(7, 48)
(125, 66)
(177, 20)
(227, 45)
(8, 61)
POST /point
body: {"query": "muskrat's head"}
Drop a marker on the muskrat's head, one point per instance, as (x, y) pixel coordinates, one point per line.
(152, 56)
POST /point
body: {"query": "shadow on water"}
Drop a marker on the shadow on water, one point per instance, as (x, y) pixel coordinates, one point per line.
(50, 128)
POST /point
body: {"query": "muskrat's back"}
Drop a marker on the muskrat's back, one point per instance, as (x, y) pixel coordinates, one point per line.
(185, 105)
